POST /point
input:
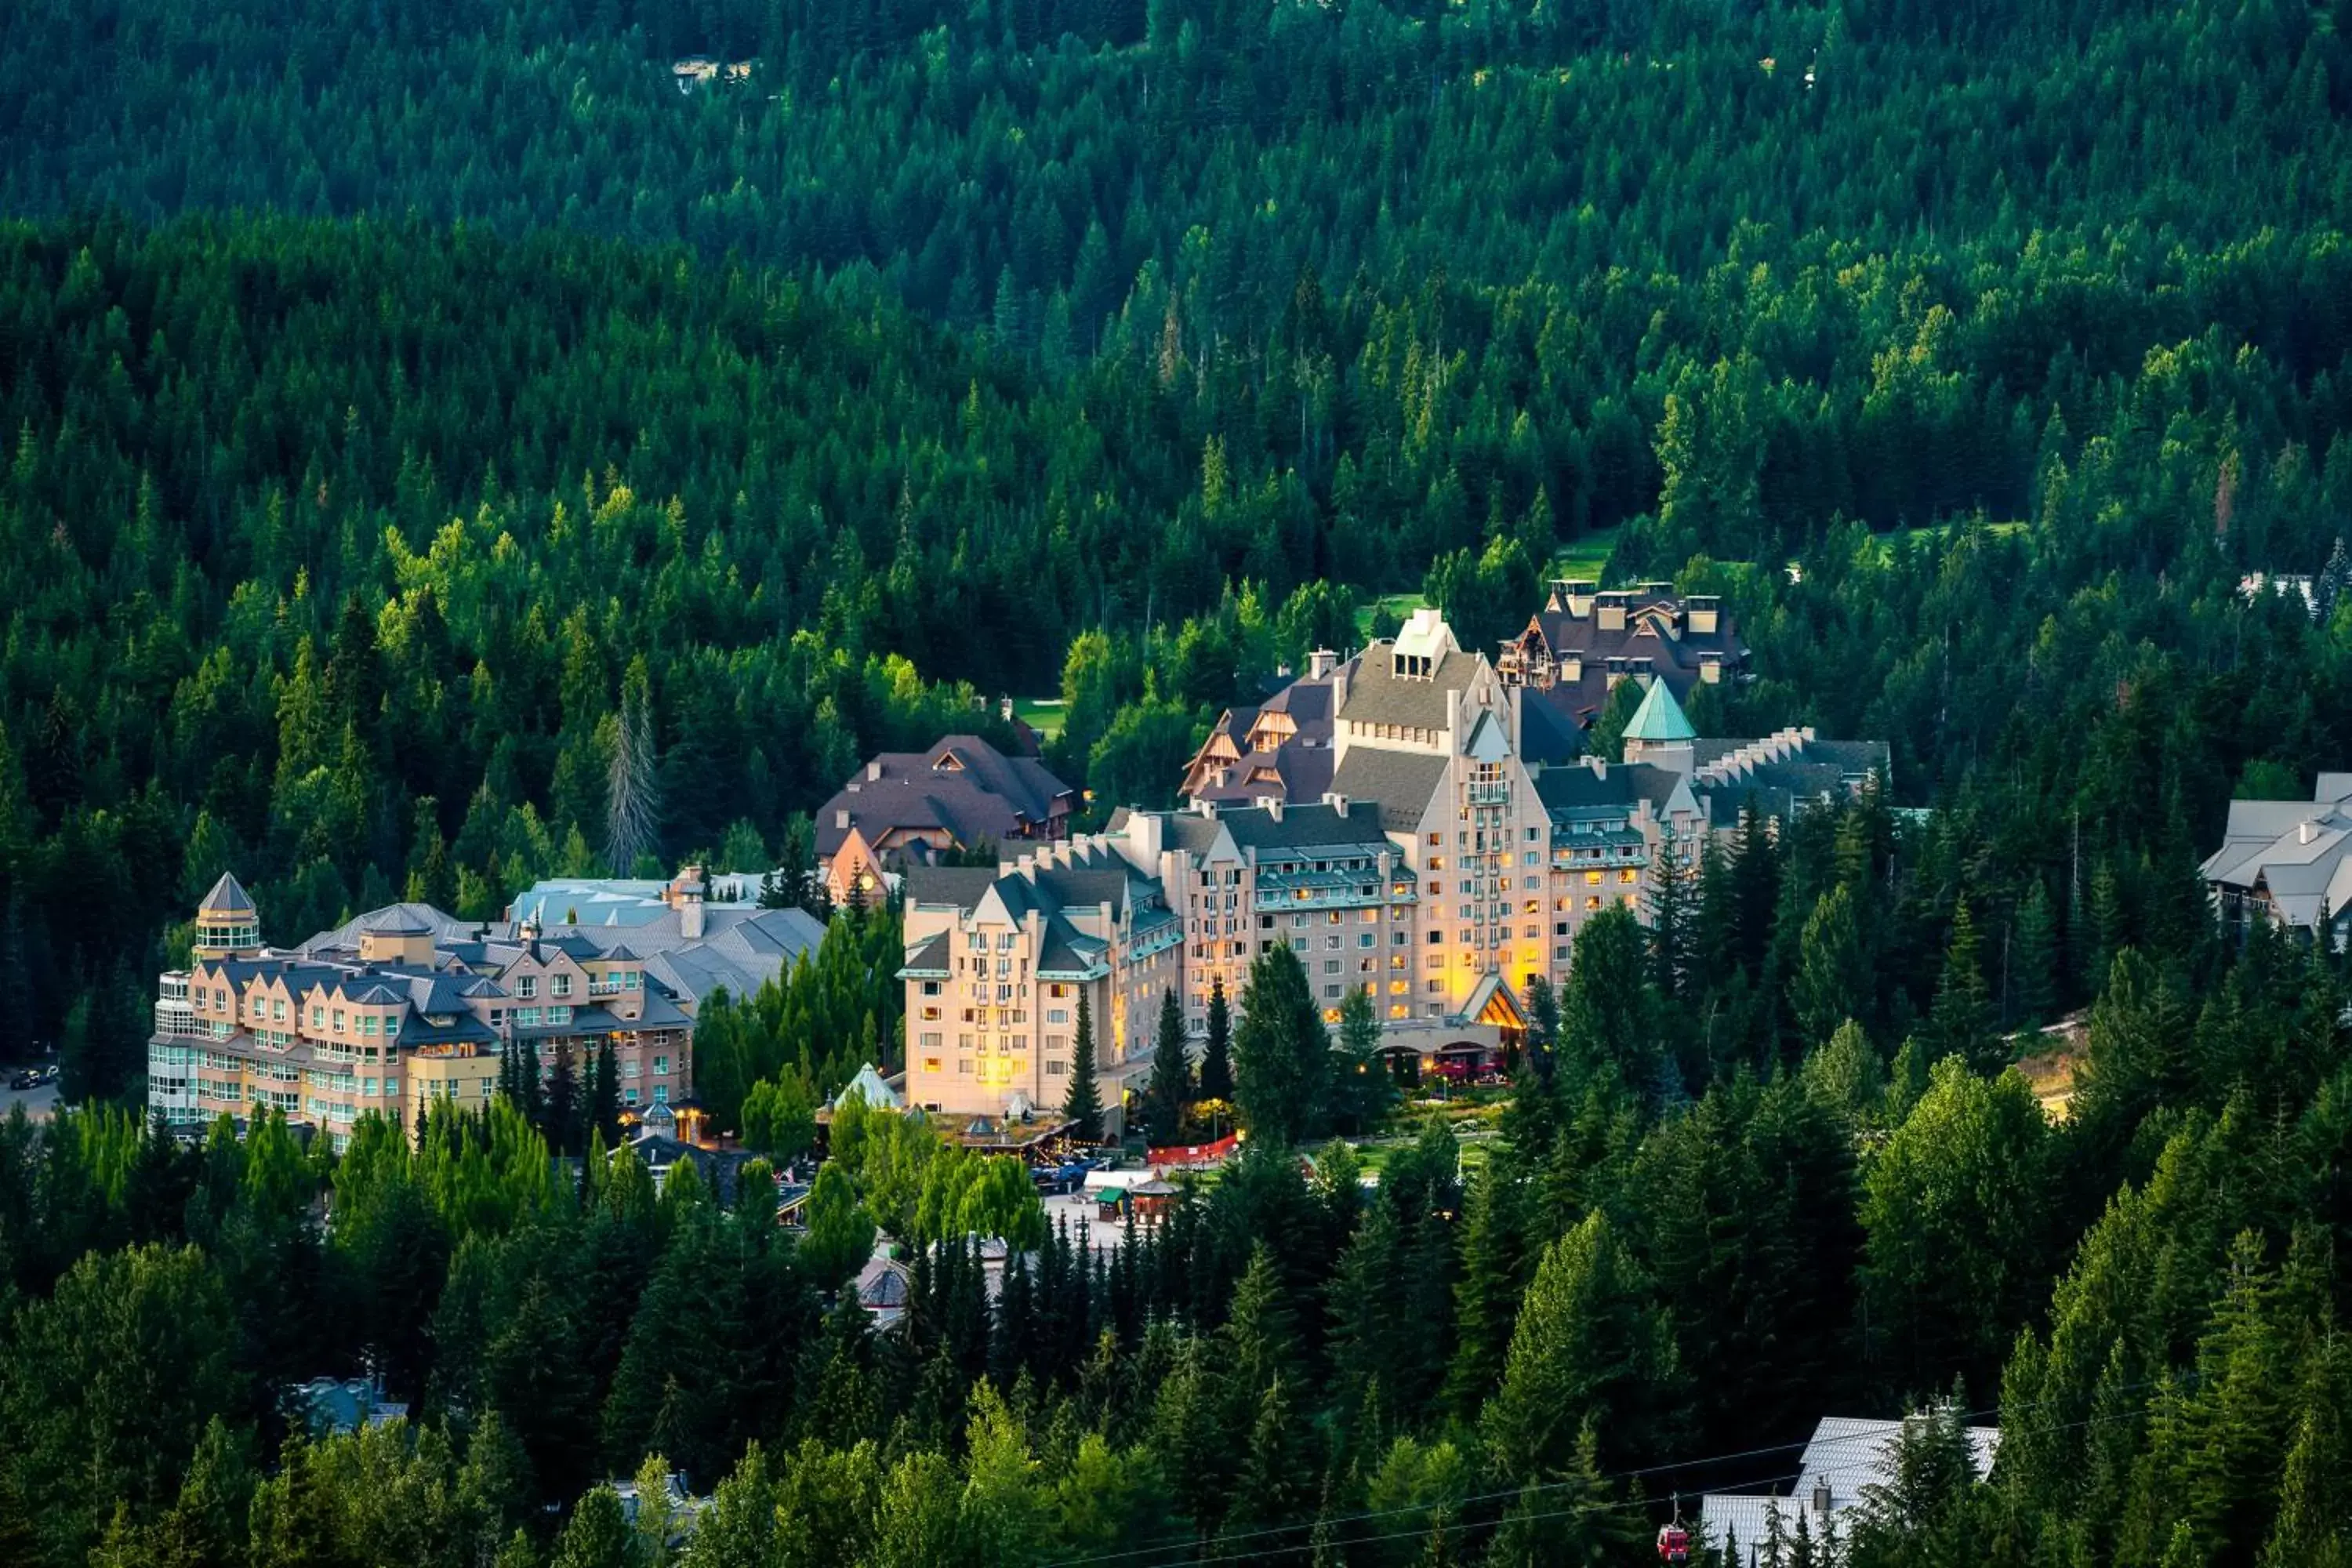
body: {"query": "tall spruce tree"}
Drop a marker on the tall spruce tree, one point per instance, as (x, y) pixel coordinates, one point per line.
(605, 1096)
(560, 1113)
(1216, 1052)
(1962, 1023)
(1083, 1106)
(1833, 979)
(1363, 1091)
(1672, 914)
(1169, 1090)
(2034, 960)
(1282, 1057)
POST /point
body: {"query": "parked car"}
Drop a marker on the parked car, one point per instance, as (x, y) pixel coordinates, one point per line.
(29, 1078)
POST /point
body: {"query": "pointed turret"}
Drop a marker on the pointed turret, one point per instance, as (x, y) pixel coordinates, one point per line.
(226, 921)
(1659, 731)
(228, 897)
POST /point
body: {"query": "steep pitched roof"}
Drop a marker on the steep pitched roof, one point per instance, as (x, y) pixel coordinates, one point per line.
(959, 886)
(962, 786)
(1402, 782)
(1660, 719)
(228, 897)
(1378, 695)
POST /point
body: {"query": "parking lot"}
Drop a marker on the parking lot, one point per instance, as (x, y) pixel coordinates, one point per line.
(38, 1103)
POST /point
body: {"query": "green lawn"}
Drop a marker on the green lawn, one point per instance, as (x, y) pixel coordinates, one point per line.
(1400, 605)
(1587, 557)
(1043, 714)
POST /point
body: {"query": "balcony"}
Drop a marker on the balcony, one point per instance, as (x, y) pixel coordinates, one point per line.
(177, 1021)
(1490, 795)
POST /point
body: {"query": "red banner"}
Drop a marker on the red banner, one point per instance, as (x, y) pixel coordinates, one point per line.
(1193, 1154)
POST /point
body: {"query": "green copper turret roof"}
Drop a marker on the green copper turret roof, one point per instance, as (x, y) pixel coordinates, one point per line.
(1660, 719)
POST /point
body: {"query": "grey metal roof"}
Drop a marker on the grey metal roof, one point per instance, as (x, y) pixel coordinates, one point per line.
(445, 929)
(228, 897)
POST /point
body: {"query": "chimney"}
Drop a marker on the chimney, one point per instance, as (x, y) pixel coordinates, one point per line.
(1706, 613)
(1821, 1502)
(1609, 612)
(841, 818)
(1710, 666)
(1322, 663)
(2305, 831)
(1576, 597)
(874, 769)
(1273, 810)
(1337, 802)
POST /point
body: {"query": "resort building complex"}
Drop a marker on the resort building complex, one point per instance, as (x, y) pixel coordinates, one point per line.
(1455, 849)
(406, 1005)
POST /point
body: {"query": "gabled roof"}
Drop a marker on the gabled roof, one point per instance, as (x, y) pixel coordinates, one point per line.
(962, 786)
(228, 897)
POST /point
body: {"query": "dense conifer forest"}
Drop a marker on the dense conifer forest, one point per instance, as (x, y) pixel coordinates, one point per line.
(405, 402)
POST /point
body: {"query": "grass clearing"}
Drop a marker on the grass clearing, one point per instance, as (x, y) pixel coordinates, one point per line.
(1043, 714)
(1398, 605)
(1586, 556)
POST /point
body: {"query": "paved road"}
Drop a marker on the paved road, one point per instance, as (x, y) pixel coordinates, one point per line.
(38, 1103)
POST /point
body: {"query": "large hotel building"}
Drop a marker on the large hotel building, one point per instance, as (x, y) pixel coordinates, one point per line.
(406, 1004)
(1450, 862)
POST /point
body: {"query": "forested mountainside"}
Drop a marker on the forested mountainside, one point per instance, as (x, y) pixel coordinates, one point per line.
(410, 404)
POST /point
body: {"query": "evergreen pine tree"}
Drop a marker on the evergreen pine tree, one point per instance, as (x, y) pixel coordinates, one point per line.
(1672, 896)
(560, 1115)
(1282, 1057)
(1487, 1296)
(1364, 1092)
(605, 1096)
(1961, 1022)
(1169, 1089)
(1083, 1107)
(2034, 960)
(1833, 979)
(1216, 1077)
